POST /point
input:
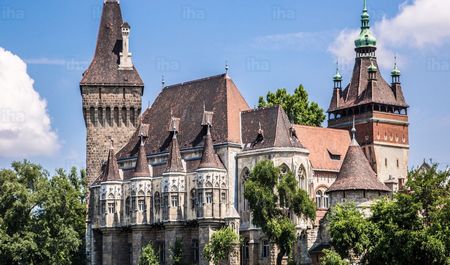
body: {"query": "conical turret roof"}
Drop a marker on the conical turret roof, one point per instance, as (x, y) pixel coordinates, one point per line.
(174, 163)
(141, 169)
(209, 156)
(110, 170)
(356, 172)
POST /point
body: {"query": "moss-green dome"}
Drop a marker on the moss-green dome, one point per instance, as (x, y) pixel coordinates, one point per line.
(337, 76)
(395, 71)
(366, 37)
(372, 68)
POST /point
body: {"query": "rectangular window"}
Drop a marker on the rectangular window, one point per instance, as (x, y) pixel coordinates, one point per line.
(174, 200)
(200, 198)
(224, 197)
(195, 249)
(209, 197)
(111, 207)
(141, 205)
(265, 249)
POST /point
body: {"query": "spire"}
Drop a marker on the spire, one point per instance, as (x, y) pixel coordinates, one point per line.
(337, 78)
(163, 81)
(111, 169)
(141, 169)
(395, 74)
(174, 162)
(354, 142)
(112, 45)
(366, 39)
(209, 156)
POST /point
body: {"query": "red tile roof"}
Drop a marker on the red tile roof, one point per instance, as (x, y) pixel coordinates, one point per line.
(322, 143)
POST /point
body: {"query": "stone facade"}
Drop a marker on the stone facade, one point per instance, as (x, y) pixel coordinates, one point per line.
(179, 173)
(109, 112)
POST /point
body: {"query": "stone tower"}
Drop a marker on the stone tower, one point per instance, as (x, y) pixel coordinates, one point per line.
(379, 108)
(111, 90)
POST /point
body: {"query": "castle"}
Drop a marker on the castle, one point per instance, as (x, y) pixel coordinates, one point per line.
(177, 170)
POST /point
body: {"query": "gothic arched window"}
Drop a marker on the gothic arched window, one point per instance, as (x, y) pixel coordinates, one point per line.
(302, 178)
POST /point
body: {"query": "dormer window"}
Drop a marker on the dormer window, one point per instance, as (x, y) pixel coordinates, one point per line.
(334, 155)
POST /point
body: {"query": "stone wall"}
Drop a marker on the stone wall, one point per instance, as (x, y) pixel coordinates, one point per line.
(108, 112)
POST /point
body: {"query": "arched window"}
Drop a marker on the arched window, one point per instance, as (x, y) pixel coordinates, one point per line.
(92, 116)
(116, 116)
(319, 195)
(100, 117)
(157, 202)
(127, 205)
(141, 201)
(322, 199)
(302, 178)
(124, 116)
(108, 116)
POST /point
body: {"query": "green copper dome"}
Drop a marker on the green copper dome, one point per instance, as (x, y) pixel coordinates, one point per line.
(366, 37)
(337, 76)
(395, 71)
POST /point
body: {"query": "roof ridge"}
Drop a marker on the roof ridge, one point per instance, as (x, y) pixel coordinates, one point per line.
(194, 81)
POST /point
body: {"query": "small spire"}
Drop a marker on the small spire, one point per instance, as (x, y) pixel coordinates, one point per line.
(163, 82)
(226, 67)
(141, 137)
(372, 68)
(337, 76)
(141, 168)
(365, 5)
(354, 142)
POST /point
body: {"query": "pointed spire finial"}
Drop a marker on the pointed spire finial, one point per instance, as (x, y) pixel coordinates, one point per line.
(365, 5)
(227, 67)
(141, 137)
(354, 142)
(163, 81)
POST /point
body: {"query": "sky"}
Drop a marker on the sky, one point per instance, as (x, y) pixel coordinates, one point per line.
(268, 44)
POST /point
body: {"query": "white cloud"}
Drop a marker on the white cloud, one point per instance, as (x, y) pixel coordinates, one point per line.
(25, 127)
(418, 25)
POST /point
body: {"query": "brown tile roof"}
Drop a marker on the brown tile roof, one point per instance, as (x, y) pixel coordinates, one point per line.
(110, 170)
(356, 173)
(209, 157)
(104, 68)
(174, 163)
(360, 92)
(141, 169)
(186, 101)
(322, 143)
(267, 127)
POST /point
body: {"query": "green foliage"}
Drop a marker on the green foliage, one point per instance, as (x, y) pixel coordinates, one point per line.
(148, 256)
(271, 210)
(413, 228)
(220, 245)
(42, 219)
(297, 106)
(176, 252)
(349, 230)
(332, 258)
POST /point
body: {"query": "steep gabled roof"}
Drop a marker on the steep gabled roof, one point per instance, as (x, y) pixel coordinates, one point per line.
(267, 127)
(360, 90)
(186, 101)
(356, 173)
(104, 68)
(322, 144)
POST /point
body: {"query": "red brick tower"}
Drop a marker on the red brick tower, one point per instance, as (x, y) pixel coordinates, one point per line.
(379, 108)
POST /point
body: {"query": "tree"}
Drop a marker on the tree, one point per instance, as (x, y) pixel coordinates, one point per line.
(42, 219)
(297, 106)
(332, 258)
(273, 197)
(220, 245)
(413, 228)
(176, 252)
(148, 256)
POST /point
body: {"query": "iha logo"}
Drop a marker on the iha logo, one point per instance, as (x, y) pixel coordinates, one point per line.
(9, 13)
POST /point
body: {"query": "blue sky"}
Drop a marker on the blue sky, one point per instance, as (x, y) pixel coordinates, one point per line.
(268, 44)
